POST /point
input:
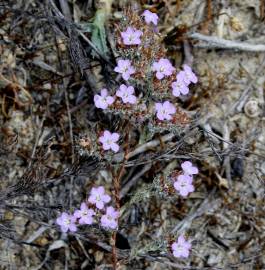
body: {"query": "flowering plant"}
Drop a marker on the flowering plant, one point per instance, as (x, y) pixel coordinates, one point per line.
(145, 99)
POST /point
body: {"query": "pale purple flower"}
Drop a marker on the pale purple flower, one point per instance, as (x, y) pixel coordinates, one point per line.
(163, 68)
(150, 17)
(165, 110)
(125, 68)
(181, 248)
(103, 100)
(187, 75)
(109, 140)
(131, 36)
(188, 168)
(67, 222)
(184, 185)
(99, 197)
(179, 87)
(126, 93)
(109, 220)
(85, 214)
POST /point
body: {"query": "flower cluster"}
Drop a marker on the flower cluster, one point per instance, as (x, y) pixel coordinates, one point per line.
(108, 144)
(91, 211)
(164, 111)
(67, 222)
(125, 68)
(181, 181)
(150, 17)
(181, 248)
(109, 141)
(132, 37)
(184, 184)
(163, 68)
(98, 197)
(183, 79)
(126, 93)
(103, 100)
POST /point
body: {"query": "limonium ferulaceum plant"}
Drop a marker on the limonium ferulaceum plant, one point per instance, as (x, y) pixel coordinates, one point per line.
(146, 97)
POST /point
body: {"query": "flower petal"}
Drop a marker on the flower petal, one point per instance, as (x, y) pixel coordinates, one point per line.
(126, 76)
(100, 190)
(115, 137)
(72, 228)
(64, 228)
(132, 99)
(115, 147)
(99, 204)
(107, 134)
(159, 75)
(104, 92)
(110, 100)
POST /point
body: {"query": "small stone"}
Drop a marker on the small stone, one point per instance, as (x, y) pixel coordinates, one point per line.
(236, 24)
(251, 108)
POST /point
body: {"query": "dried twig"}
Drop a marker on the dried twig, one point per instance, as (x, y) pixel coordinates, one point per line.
(187, 52)
(37, 139)
(134, 180)
(66, 9)
(150, 145)
(226, 164)
(216, 42)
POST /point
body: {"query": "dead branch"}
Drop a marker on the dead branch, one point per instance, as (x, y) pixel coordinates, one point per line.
(216, 42)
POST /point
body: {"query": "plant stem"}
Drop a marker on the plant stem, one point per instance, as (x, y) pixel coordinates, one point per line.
(116, 183)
